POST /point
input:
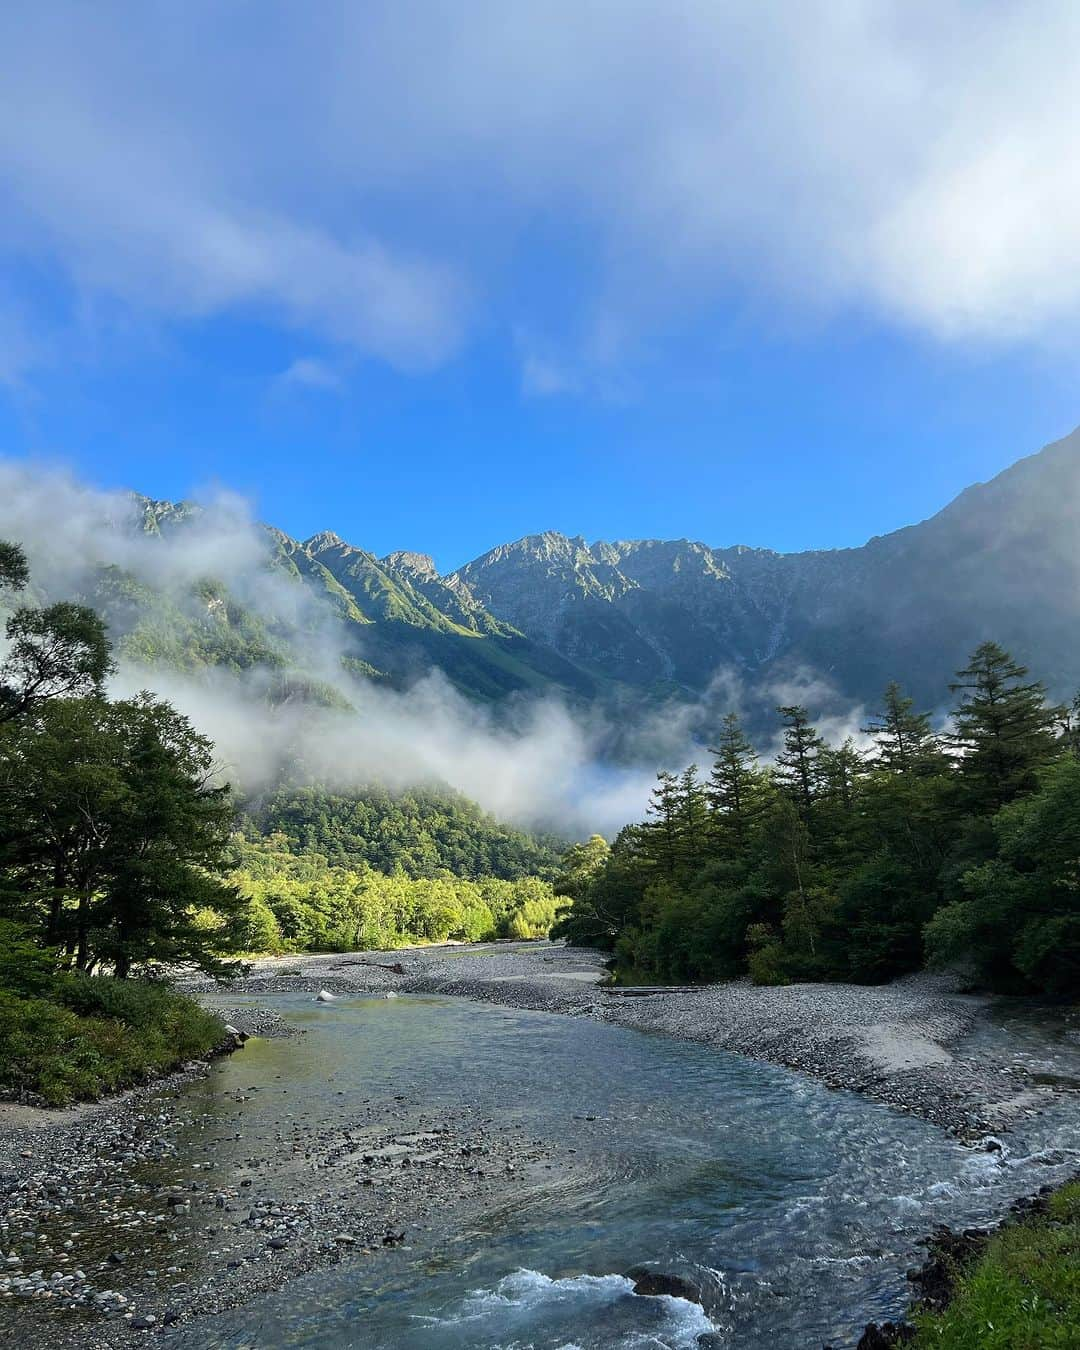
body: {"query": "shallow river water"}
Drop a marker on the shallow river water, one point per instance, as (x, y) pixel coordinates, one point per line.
(796, 1209)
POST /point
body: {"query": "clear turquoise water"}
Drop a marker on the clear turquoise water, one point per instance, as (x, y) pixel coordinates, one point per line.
(797, 1209)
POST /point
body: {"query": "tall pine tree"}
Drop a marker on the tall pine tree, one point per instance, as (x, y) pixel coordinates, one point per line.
(798, 766)
(904, 741)
(661, 835)
(1005, 730)
(735, 790)
(694, 824)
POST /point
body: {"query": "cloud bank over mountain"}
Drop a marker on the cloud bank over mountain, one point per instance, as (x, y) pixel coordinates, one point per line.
(537, 763)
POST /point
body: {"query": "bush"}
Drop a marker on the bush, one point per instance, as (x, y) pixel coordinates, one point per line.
(767, 960)
(25, 968)
(89, 1036)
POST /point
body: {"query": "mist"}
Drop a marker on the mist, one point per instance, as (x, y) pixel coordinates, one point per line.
(533, 762)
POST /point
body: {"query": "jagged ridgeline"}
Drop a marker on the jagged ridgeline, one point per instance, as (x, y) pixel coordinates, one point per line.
(199, 598)
(189, 587)
(304, 610)
(1002, 561)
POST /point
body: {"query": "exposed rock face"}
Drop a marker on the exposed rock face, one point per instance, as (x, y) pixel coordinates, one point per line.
(635, 619)
(1001, 561)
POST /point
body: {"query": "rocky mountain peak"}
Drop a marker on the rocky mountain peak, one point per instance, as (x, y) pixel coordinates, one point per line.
(413, 564)
(319, 543)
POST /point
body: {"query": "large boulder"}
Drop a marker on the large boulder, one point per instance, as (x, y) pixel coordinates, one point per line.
(660, 1284)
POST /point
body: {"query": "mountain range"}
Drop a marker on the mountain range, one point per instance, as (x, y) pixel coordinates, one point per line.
(611, 622)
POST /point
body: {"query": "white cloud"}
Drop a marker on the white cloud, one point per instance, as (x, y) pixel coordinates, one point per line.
(356, 173)
(309, 372)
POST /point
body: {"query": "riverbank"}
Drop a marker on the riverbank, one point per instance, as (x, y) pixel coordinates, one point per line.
(918, 1045)
(1017, 1284)
(117, 1219)
(68, 1037)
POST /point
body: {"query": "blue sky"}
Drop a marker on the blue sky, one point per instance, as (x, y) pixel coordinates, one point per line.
(435, 276)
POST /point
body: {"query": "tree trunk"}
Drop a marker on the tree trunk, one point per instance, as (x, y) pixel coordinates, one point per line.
(82, 930)
(52, 928)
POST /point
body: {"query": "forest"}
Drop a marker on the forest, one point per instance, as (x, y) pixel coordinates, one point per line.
(932, 847)
(298, 901)
(422, 831)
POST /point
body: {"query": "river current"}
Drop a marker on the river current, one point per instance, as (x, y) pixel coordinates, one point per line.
(796, 1209)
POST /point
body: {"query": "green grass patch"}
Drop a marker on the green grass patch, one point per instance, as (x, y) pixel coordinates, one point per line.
(82, 1037)
(1023, 1293)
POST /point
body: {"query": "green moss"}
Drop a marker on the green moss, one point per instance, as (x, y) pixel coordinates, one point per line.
(1023, 1294)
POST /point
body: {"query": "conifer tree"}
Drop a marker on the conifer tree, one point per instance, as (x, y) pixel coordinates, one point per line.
(903, 738)
(661, 834)
(1005, 731)
(1070, 727)
(735, 787)
(693, 820)
(798, 767)
(839, 771)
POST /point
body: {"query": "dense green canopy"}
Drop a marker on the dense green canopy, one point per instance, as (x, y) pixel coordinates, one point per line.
(841, 863)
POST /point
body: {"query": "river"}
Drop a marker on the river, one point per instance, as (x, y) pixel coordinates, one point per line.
(796, 1209)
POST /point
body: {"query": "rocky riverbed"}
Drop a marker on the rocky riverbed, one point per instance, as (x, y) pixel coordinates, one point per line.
(164, 1206)
(109, 1228)
(913, 1045)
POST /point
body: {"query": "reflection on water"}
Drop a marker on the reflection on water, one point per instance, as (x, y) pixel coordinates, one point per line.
(795, 1209)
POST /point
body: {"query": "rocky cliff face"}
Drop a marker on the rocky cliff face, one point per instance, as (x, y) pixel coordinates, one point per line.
(624, 620)
(1002, 561)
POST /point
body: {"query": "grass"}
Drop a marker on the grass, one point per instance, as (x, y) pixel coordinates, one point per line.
(77, 1038)
(1023, 1293)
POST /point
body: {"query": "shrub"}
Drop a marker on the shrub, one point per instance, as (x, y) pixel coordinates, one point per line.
(94, 1035)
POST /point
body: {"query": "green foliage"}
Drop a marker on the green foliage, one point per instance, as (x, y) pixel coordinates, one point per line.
(300, 902)
(838, 865)
(606, 888)
(57, 652)
(1004, 729)
(737, 791)
(1020, 921)
(422, 832)
(112, 832)
(113, 838)
(904, 740)
(25, 967)
(79, 1037)
(798, 765)
(14, 571)
(1023, 1293)
(204, 627)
